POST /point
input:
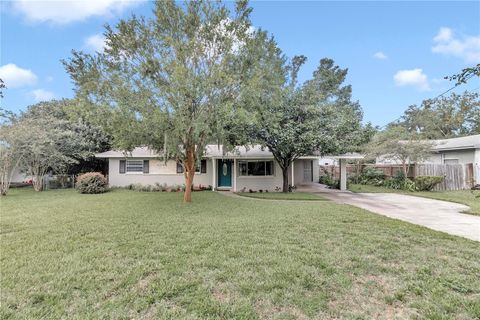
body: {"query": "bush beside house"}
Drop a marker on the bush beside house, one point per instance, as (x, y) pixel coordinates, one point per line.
(92, 182)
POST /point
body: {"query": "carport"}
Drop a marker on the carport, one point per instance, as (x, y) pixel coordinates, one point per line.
(342, 162)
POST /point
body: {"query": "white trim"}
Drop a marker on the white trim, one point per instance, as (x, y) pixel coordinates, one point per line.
(234, 175)
(214, 174)
(293, 173)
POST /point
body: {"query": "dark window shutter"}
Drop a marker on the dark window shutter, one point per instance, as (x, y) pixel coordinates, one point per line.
(179, 167)
(122, 166)
(203, 166)
(146, 166)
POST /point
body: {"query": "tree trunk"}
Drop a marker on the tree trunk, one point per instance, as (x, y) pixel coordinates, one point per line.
(285, 179)
(405, 169)
(189, 174)
(38, 183)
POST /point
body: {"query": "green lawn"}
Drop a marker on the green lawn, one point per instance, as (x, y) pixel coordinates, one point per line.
(283, 196)
(466, 197)
(141, 255)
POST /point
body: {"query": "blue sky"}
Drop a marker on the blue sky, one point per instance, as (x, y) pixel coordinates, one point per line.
(397, 53)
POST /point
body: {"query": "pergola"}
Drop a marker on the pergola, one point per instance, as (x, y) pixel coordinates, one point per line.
(342, 161)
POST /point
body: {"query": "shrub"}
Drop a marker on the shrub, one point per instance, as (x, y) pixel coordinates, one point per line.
(92, 182)
(427, 183)
(372, 176)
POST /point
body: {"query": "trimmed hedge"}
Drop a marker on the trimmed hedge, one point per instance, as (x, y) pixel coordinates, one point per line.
(91, 183)
(427, 183)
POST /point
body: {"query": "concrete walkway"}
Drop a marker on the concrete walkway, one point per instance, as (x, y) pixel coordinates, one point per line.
(434, 214)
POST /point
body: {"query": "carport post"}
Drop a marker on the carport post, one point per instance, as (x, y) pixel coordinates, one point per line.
(343, 174)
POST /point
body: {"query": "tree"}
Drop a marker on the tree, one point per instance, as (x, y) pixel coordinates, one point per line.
(317, 116)
(48, 145)
(93, 136)
(447, 117)
(2, 87)
(173, 81)
(42, 139)
(398, 144)
(12, 150)
(465, 75)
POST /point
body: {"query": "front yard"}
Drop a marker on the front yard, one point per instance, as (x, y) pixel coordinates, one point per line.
(127, 254)
(466, 197)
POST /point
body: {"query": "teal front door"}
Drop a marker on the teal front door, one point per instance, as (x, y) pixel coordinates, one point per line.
(224, 173)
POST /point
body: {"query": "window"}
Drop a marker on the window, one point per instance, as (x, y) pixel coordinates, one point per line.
(134, 166)
(199, 167)
(256, 168)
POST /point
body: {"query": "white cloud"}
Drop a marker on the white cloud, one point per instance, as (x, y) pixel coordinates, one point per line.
(95, 42)
(414, 77)
(465, 47)
(15, 77)
(380, 55)
(49, 79)
(42, 95)
(62, 12)
(443, 35)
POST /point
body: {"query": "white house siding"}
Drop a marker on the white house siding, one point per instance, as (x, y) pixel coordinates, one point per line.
(259, 182)
(463, 156)
(159, 173)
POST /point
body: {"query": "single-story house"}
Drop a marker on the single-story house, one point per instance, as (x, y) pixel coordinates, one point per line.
(461, 150)
(239, 170)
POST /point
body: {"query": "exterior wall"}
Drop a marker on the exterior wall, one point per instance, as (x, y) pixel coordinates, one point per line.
(244, 183)
(165, 173)
(159, 173)
(463, 156)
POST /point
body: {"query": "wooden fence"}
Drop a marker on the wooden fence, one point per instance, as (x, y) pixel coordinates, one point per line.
(456, 176)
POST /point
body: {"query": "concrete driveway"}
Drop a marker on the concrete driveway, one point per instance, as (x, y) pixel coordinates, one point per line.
(434, 214)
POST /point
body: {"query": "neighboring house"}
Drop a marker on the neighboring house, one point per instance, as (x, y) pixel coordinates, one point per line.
(450, 151)
(239, 170)
(327, 162)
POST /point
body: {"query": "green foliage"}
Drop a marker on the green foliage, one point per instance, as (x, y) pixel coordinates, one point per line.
(329, 181)
(174, 87)
(371, 176)
(396, 143)
(427, 183)
(2, 87)
(293, 120)
(88, 138)
(92, 182)
(446, 117)
(465, 75)
(144, 255)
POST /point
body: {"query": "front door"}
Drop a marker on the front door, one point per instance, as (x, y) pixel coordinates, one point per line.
(307, 171)
(224, 173)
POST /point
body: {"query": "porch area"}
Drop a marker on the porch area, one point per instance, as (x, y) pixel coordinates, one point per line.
(242, 175)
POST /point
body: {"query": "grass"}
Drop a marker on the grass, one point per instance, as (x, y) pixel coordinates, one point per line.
(466, 197)
(283, 196)
(126, 254)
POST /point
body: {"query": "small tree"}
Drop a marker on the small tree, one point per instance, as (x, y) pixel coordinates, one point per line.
(48, 145)
(12, 150)
(397, 144)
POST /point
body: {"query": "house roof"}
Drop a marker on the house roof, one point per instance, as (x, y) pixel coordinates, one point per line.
(212, 151)
(468, 142)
